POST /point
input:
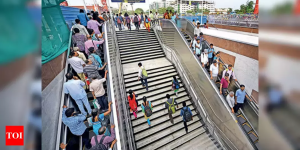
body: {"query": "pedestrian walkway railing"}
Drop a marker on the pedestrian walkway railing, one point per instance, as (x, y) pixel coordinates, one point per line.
(125, 131)
(110, 88)
(248, 21)
(220, 134)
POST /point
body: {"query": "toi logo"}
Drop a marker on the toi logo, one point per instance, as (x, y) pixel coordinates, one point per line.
(14, 135)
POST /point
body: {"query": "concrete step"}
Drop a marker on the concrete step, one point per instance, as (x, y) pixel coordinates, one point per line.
(140, 54)
(143, 59)
(149, 70)
(152, 74)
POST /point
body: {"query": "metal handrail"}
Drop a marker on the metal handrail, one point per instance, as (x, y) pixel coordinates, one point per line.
(110, 86)
(123, 95)
(198, 101)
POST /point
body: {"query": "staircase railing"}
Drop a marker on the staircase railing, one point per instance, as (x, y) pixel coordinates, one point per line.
(127, 139)
(184, 73)
(110, 87)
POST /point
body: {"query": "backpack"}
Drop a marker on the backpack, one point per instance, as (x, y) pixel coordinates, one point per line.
(96, 105)
(146, 20)
(128, 19)
(144, 73)
(119, 20)
(99, 146)
(105, 121)
(175, 84)
(147, 109)
(187, 115)
(172, 107)
(135, 19)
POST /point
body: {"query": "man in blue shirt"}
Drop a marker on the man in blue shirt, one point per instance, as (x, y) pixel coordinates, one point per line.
(184, 108)
(197, 48)
(83, 18)
(211, 51)
(75, 122)
(74, 87)
(239, 98)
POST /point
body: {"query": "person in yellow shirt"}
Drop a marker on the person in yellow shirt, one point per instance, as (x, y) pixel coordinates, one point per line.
(170, 14)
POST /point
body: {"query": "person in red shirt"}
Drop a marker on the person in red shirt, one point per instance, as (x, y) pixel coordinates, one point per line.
(166, 15)
(224, 84)
(205, 26)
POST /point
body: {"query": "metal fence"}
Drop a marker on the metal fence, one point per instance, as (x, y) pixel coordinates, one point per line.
(241, 20)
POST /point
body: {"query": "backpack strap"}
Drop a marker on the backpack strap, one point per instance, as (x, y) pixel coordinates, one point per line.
(102, 139)
(96, 140)
(173, 102)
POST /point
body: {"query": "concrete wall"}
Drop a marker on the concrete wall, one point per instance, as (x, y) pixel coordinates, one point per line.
(251, 30)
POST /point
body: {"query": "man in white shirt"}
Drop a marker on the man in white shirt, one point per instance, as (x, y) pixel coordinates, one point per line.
(96, 87)
(156, 21)
(230, 100)
(214, 71)
(204, 59)
(77, 64)
(193, 41)
(82, 29)
(197, 30)
(143, 77)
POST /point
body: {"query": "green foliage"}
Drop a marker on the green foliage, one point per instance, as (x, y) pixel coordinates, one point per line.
(162, 10)
(246, 8)
(170, 8)
(286, 8)
(229, 10)
(139, 10)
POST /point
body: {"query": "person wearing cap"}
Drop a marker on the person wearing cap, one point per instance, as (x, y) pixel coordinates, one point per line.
(224, 85)
(211, 51)
(74, 87)
(98, 91)
(214, 71)
(75, 122)
(80, 54)
(197, 48)
(217, 57)
(240, 96)
(204, 59)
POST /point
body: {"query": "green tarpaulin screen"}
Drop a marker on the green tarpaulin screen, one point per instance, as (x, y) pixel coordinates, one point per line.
(55, 33)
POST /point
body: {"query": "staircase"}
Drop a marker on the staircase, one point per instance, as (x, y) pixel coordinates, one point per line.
(144, 47)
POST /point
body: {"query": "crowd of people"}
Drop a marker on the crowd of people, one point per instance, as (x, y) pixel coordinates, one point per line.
(88, 75)
(210, 61)
(147, 106)
(138, 20)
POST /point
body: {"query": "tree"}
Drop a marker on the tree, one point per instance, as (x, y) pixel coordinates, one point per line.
(170, 8)
(139, 10)
(189, 11)
(162, 10)
(229, 10)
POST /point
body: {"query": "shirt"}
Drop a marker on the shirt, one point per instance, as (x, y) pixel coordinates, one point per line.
(197, 31)
(156, 16)
(140, 71)
(81, 56)
(97, 87)
(91, 70)
(151, 16)
(91, 43)
(76, 64)
(170, 100)
(204, 58)
(214, 69)
(240, 96)
(96, 60)
(224, 83)
(106, 141)
(93, 24)
(230, 101)
(216, 58)
(82, 29)
(79, 39)
(182, 111)
(83, 18)
(75, 123)
(212, 50)
(230, 72)
(196, 48)
(75, 89)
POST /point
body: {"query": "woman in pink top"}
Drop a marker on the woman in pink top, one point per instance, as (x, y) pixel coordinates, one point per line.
(94, 24)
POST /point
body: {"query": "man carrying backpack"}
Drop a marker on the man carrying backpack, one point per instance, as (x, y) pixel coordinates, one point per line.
(119, 21)
(136, 21)
(170, 105)
(142, 75)
(186, 114)
(102, 142)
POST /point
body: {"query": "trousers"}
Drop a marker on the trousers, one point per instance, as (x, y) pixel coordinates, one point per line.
(81, 102)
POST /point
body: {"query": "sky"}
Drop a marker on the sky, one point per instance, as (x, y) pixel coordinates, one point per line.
(234, 4)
